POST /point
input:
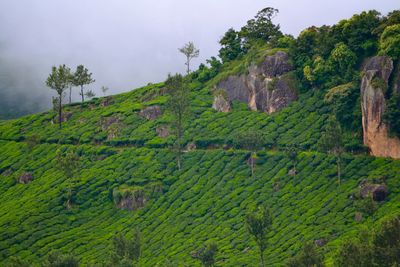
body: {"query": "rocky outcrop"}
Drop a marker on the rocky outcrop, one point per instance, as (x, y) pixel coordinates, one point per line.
(378, 192)
(221, 104)
(112, 126)
(131, 199)
(151, 112)
(131, 203)
(268, 87)
(25, 178)
(65, 116)
(375, 80)
(162, 131)
(191, 147)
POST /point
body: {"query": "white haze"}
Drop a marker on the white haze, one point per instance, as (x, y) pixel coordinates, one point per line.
(129, 43)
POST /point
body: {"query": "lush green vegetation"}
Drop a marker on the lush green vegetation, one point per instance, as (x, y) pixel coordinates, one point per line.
(207, 199)
(107, 150)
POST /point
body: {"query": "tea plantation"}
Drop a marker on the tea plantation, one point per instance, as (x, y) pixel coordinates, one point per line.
(205, 200)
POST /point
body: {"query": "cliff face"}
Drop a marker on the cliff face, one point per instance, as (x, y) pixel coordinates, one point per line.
(377, 71)
(268, 87)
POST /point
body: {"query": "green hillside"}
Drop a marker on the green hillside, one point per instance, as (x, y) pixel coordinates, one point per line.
(120, 150)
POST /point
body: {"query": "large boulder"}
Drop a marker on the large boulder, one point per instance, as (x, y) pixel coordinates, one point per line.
(151, 112)
(112, 126)
(378, 192)
(162, 131)
(25, 178)
(268, 87)
(221, 104)
(130, 198)
(375, 82)
(65, 116)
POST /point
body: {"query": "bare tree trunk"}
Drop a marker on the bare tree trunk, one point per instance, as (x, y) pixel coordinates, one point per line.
(262, 257)
(83, 96)
(178, 141)
(294, 168)
(338, 169)
(252, 154)
(70, 93)
(188, 65)
(60, 110)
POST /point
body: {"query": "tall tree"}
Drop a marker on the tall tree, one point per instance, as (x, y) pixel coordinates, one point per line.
(231, 46)
(71, 80)
(259, 223)
(190, 51)
(82, 77)
(68, 162)
(332, 142)
(58, 80)
(178, 105)
(261, 27)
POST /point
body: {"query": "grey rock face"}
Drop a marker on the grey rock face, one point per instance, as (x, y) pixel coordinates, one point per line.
(276, 65)
(162, 131)
(151, 113)
(132, 202)
(378, 192)
(25, 178)
(268, 87)
(221, 104)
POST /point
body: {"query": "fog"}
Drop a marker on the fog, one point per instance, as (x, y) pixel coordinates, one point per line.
(129, 43)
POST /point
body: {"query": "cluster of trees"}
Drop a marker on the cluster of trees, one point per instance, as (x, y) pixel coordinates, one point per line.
(62, 78)
(235, 44)
(377, 247)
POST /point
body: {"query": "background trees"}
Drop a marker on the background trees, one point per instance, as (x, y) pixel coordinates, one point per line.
(332, 142)
(68, 162)
(206, 254)
(261, 27)
(190, 51)
(58, 80)
(258, 224)
(380, 247)
(127, 250)
(231, 46)
(308, 256)
(57, 259)
(82, 77)
(104, 89)
(390, 41)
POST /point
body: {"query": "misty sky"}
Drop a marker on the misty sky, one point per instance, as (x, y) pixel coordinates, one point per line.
(128, 43)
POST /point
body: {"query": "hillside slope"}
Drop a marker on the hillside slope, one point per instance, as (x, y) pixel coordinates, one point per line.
(124, 142)
(205, 200)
